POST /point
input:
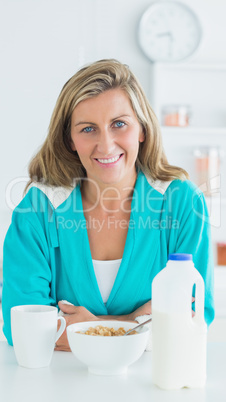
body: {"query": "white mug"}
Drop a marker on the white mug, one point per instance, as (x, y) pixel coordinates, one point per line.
(34, 333)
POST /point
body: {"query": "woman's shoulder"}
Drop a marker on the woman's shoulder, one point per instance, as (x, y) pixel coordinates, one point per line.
(183, 196)
(39, 197)
(178, 194)
(55, 195)
(177, 186)
(184, 189)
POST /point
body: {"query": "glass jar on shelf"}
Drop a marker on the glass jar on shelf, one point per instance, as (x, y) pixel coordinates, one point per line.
(176, 115)
(207, 166)
(221, 253)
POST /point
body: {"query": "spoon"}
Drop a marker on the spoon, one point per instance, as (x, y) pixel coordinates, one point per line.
(137, 326)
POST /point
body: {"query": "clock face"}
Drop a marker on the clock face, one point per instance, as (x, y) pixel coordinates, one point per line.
(169, 31)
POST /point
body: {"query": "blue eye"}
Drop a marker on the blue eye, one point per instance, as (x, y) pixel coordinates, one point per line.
(87, 129)
(119, 123)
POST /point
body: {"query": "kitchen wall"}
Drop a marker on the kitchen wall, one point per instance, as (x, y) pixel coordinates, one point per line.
(44, 42)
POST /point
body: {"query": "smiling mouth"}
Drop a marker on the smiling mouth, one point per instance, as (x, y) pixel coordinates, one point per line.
(109, 160)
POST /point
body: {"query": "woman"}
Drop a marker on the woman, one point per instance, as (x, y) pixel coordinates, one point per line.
(103, 208)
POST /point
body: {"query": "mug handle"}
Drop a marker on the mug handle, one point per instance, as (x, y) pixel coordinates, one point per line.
(61, 329)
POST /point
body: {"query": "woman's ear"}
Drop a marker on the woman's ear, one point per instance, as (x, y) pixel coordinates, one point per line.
(142, 135)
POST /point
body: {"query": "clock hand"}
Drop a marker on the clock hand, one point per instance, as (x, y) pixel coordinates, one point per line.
(164, 34)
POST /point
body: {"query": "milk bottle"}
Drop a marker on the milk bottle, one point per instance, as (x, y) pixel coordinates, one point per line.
(179, 340)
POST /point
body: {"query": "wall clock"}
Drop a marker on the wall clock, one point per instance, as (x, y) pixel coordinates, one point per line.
(169, 31)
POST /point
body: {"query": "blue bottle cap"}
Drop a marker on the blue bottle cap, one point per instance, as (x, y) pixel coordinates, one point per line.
(180, 257)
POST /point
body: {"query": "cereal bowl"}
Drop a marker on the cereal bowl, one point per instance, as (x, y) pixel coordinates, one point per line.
(107, 355)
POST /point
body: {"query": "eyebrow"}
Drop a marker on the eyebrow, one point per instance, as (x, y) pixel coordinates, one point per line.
(85, 122)
(94, 124)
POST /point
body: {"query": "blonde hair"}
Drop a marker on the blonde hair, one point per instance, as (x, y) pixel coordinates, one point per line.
(57, 164)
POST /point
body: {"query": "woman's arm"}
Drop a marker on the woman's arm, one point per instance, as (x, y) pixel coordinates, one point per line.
(72, 314)
(75, 314)
(145, 309)
(26, 270)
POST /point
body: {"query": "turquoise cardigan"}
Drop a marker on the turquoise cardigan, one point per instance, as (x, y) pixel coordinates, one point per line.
(47, 256)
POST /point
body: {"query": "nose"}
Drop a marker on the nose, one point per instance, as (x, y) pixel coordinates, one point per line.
(105, 143)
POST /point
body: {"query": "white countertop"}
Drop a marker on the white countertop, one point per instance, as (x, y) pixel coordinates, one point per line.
(66, 379)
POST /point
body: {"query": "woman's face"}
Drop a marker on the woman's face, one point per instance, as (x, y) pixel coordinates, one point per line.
(105, 133)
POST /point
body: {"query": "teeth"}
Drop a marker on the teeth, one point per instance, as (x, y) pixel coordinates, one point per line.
(111, 160)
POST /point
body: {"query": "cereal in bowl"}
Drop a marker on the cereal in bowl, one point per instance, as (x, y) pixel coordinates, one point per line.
(99, 330)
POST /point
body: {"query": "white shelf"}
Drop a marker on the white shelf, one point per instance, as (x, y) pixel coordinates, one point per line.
(190, 130)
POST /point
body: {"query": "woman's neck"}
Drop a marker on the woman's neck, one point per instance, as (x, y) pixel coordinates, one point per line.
(109, 198)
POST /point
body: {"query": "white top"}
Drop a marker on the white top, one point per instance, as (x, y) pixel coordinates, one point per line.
(106, 272)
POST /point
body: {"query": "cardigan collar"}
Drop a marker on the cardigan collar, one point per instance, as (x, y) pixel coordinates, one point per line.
(58, 195)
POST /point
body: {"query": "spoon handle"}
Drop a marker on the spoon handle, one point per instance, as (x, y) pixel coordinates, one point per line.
(137, 326)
